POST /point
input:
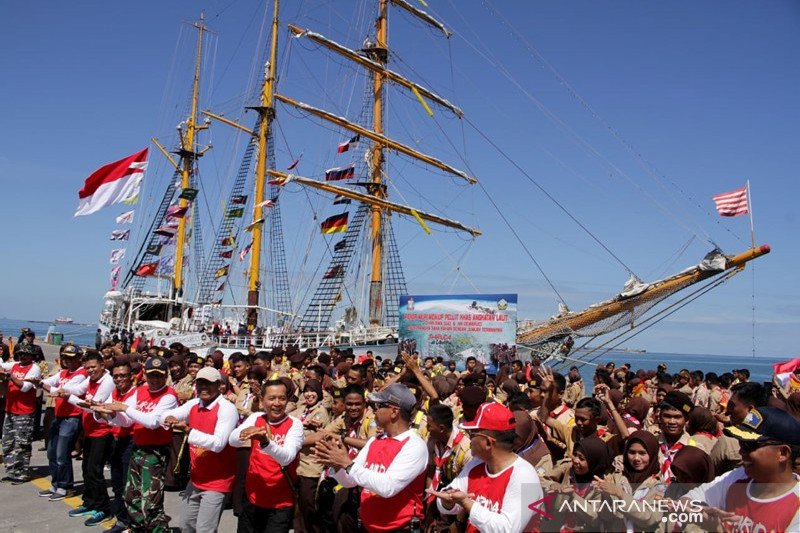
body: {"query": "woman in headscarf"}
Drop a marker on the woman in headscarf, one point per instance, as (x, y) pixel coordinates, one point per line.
(690, 467)
(572, 481)
(639, 480)
(313, 414)
(529, 445)
(635, 413)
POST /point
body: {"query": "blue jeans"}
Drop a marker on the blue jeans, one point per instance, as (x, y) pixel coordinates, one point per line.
(63, 434)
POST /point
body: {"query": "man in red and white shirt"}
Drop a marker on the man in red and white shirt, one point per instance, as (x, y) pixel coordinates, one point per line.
(270, 486)
(764, 493)
(390, 468)
(20, 408)
(496, 487)
(207, 421)
(120, 459)
(97, 439)
(66, 426)
(144, 494)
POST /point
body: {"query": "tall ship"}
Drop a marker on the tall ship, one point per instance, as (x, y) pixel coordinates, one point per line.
(297, 243)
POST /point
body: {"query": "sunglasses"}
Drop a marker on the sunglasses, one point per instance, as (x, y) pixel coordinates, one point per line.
(381, 405)
(477, 433)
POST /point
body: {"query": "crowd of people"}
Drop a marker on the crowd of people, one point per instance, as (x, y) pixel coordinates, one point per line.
(331, 441)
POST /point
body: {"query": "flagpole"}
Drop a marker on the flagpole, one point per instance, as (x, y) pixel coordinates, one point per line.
(750, 210)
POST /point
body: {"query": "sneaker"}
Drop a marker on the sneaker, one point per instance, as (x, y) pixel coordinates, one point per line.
(45, 493)
(20, 480)
(57, 496)
(80, 511)
(6, 479)
(98, 517)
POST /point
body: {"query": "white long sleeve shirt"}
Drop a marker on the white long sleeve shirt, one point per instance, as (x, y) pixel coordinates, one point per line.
(34, 372)
(408, 464)
(227, 418)
(151, 419)
(284, 453)
(77, 392)
(513, 514)
(55, 381)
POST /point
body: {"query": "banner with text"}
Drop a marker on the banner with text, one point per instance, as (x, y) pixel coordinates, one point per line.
(457, 326)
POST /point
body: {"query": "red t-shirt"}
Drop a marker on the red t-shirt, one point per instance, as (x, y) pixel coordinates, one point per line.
(266, 485)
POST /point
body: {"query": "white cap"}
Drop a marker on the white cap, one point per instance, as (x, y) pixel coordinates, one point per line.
(209, 373)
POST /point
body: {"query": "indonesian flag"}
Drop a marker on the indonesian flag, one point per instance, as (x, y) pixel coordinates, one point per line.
(176, 211)
(113, 183)
(294, 163)
(731, 204)
(345, 146)
(788, 366)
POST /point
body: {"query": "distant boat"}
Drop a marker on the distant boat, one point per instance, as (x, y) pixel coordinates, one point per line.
(63, 320)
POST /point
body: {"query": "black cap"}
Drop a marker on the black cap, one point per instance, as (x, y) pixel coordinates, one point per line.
(156, 365)
(678, 400)
(767, 423)
(69, 350)
(337, 392)
(25, 349)
(195, 359)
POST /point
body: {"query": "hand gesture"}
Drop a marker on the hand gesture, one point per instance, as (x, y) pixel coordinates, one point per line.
(331, 452)
(546, 375)
(411, 363)
(258, 433)
(117, 407)
(451, 497)
(606, 485)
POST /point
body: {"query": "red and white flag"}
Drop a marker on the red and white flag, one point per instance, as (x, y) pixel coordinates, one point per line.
(734, 203)
(113, 183)
(115, 277)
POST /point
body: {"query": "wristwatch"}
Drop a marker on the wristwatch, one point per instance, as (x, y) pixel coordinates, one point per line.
(348, 467)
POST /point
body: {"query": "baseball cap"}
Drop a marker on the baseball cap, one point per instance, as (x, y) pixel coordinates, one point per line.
(68, 351)
(678, 400)
(26, 348)
(195, 359)
(156, 365)
(492, 416)
(209, 373)
(767, 423)
(396, 394)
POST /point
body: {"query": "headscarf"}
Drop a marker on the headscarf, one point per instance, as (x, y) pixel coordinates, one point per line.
(597, 455)
(218, 359)
(637, 407)
(650, 443)
(693, 464)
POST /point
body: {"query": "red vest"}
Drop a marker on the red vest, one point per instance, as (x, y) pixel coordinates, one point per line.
(388, 514)
(119, 431)
(489, 491)
(210, 470)
(775, 515)
(266, 485)
(63, 408)
(91, 427)
(146, 402)
(18, 402)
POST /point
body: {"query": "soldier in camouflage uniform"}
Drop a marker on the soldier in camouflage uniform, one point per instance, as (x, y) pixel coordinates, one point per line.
(20, 407)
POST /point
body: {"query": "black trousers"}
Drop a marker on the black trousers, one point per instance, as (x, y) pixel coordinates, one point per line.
(242, 463)
(307, 519)
(254, 519)
(96, 451)
(120, 462)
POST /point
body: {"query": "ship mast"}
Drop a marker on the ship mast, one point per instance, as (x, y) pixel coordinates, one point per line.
(379, 53)
(188, 155)
(267, 113)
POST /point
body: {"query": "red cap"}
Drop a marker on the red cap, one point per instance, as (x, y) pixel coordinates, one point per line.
(492, 416)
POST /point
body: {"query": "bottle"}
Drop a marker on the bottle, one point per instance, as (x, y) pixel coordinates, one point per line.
(415, 526)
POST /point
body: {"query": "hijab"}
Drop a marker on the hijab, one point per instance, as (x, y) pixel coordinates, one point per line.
(638, 407)
(650, 443)
(597, 455)
(692, 466)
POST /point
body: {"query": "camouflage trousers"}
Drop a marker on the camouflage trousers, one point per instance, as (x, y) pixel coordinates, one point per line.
(17, 437)
(144, 490)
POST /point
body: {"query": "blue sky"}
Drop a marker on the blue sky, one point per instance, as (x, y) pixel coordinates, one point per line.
(632, 115)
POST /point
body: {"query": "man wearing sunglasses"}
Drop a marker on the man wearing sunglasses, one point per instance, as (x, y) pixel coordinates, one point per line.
(496, 487)
(390, 468)
(763, 494)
